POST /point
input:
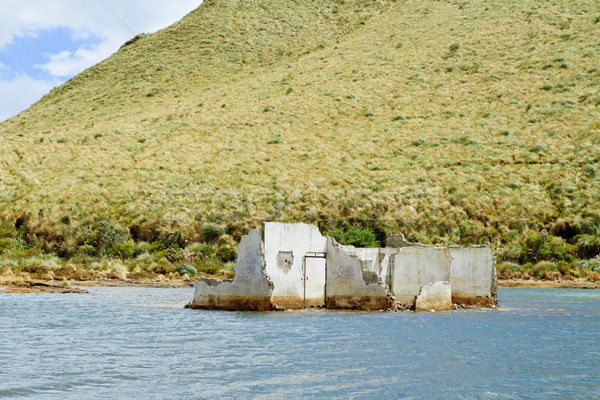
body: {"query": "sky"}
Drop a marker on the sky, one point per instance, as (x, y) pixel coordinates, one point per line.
(43, 43)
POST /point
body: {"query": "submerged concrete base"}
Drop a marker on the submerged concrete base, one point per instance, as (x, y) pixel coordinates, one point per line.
(436, 296)
(365, 303)
(232, 303)
(289, 302)
(475, 301)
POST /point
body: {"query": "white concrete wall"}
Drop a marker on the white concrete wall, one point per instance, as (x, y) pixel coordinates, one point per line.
(249, 290)
(369, 257)
(350, 282)
(415, 267)
(472, 276)
(299, 239)
(386, 266)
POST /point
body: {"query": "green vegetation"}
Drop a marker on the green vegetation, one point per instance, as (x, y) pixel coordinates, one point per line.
(454, 123)
(355, 236)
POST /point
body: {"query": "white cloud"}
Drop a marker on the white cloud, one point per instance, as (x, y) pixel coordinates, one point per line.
(69, 63)
(20, 93)
(27, 18)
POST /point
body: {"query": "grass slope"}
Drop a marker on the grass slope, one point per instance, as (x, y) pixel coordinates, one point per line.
(451, 121)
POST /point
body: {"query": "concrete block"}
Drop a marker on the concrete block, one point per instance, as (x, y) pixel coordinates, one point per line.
(415, 267)
(473, 276)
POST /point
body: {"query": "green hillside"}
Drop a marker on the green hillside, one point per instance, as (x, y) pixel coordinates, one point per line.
(454, 122)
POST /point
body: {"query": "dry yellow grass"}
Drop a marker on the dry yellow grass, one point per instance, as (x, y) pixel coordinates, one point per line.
(451, 121)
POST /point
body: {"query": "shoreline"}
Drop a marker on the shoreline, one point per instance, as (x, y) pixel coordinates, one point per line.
(541, 284)
(76, 286)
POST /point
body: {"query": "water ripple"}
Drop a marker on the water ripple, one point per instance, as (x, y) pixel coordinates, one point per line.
(140, 343)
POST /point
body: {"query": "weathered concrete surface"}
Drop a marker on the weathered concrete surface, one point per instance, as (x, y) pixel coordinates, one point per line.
(292, 266)
(397, 240)
(250, 290)
(285, 246)
(436, 296)
(473, 276)
(415, 267)
(350, 282)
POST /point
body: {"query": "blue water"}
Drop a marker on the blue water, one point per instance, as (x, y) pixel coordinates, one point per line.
(138, 343)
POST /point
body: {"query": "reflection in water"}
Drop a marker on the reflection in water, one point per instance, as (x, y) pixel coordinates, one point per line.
(140, 343)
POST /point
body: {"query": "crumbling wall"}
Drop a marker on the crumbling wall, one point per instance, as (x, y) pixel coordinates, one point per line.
(369, 257)
(250, 290)
(284, 247)
(351, 284)
(412, 268)
(397, 240)
(473, 276)
(270, 274)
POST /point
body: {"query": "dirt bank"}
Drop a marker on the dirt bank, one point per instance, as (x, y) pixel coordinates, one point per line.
(25, 284)
(569, 284)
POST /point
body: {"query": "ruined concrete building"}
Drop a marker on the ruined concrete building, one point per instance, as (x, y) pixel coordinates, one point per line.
(292, 266)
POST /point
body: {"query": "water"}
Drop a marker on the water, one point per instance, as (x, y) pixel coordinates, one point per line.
(138, 343)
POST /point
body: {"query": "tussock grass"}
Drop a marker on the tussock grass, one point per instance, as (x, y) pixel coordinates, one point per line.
(455, 123)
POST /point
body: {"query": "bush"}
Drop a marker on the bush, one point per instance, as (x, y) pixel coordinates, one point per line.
(225, 253)
(183, 269)
(210, 269)
(122, 250)
(543, 247)
(36, 270)
(355, 236)
(564, 267)
(212, 232)
(589, 245)
(103, 235)
(142, 248)
(202, 251)
(7, 229)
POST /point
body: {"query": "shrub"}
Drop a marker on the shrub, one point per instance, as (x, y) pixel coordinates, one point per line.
(589, 170)
(543, 247)
(212, 232)
(163, 268)
(356, 236)
(538, 149)
(36, 270)
(210, 269)
(225, 253)
(103, 235)
(87, 250)
(276, 139)
(122, 250)
(183, 269)
(142, 248)
(588, 245)
(564, 267)
(202, 251)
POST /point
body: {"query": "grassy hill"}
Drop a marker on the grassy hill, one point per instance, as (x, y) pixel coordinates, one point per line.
(455, 122)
